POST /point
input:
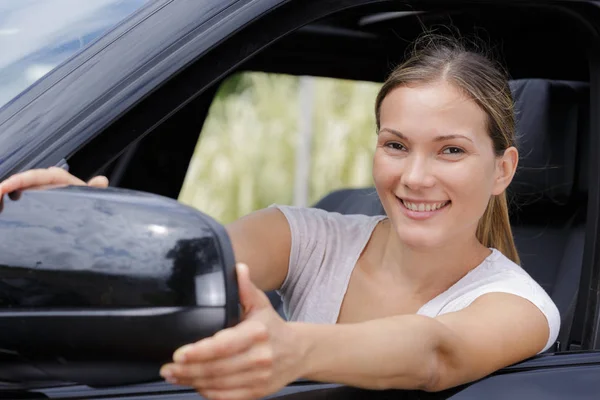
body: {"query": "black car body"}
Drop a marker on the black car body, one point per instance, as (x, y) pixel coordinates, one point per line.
(132, 103)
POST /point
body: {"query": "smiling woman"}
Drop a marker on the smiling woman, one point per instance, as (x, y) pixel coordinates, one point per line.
(435, 282)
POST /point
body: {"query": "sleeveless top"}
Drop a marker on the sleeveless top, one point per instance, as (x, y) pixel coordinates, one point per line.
(325, 247)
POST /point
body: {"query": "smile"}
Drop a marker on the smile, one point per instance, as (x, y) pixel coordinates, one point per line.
(422, 210)
(420, 207)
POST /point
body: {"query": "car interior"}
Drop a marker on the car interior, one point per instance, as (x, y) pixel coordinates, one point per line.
(547, 204)
(550, 75)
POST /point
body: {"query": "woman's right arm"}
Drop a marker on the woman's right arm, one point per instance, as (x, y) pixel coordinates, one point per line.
(262, 239)
(45, 178)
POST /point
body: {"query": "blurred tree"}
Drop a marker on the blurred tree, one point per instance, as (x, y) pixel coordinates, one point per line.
(244, 159)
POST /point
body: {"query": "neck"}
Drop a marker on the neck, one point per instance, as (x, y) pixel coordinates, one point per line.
(428, 272)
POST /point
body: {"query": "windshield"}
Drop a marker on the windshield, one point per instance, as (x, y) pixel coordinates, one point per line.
(38, 35)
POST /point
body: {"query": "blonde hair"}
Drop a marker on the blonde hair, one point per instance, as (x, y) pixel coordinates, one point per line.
(437, 58)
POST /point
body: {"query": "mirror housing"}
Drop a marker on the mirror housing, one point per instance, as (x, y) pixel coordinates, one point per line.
(95, 282)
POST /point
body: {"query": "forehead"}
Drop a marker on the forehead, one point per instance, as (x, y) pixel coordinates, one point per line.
(431, 110)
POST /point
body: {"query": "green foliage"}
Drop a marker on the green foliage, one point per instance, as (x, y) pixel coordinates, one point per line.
(245, 158)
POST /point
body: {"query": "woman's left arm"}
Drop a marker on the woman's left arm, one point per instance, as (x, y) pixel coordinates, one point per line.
(263, 353)
(432, 354)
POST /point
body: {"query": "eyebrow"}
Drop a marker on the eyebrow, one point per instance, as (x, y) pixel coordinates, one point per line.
(436, 139)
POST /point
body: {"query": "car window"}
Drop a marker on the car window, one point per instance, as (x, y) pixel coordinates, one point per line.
(272, 138)
(38, 35)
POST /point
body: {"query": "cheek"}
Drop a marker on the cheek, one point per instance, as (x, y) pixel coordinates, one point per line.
(385, 172)
(471, 185)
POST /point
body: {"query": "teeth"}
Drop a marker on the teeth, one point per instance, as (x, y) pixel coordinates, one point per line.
(424, 207)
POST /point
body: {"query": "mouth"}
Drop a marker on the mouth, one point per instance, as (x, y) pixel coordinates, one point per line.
(422, 210)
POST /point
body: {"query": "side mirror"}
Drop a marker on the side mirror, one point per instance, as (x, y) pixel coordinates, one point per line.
(100, 286)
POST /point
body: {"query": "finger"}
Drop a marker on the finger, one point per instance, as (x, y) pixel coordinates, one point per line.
(251, 297)
(224, 343)
(39, 177)
(17, 181)
(234, 394)
(258, 358)
(98, 181)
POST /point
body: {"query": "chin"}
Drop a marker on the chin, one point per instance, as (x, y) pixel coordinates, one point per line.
(417, 239)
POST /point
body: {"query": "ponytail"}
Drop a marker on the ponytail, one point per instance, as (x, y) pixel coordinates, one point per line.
(494, 228)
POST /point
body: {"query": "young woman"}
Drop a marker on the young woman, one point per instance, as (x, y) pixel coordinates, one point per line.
(428, 297)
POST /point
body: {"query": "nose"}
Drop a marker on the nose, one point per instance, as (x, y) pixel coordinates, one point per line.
(416, 173)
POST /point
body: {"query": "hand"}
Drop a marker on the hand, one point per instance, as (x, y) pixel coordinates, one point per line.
(44, 179)
(257, 357)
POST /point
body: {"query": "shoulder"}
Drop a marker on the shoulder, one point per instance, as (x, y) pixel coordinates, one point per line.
(498, 274)
(309, 217)
(324, 249)
(498, 271)
(320, 237)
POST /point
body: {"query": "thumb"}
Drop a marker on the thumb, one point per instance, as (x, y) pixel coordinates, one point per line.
(251, 297)
(98, 181)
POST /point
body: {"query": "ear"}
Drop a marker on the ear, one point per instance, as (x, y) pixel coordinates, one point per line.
(506, 166)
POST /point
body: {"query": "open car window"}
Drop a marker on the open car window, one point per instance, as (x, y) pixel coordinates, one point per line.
(38, 35)
(276, 138)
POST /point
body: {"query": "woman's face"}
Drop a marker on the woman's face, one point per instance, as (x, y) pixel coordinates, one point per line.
(434, 167)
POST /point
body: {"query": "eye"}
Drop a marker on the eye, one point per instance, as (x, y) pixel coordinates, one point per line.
(452, 150)
(395, 146)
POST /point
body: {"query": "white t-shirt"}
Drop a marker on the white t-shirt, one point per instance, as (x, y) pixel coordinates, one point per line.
(326, 247)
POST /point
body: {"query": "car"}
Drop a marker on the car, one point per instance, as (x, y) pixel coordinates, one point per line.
(131, 104)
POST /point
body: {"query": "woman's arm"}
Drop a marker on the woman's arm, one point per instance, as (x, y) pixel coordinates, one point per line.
(45, 178)
(416, 352)
(264, 353)
(262, 240)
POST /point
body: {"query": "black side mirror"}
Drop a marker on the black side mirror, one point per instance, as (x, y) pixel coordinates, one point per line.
(100, 286)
